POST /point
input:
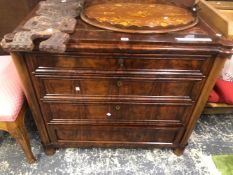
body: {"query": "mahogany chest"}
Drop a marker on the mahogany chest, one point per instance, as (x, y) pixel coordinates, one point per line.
(112, 89)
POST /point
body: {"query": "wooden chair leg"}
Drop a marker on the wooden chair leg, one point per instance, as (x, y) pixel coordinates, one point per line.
(21, 137)
(19, 132)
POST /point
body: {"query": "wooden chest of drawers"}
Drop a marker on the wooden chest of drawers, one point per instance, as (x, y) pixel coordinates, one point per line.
(148, 91)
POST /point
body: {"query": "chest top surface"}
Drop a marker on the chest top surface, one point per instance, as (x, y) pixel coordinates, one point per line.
(198, 37)
(85, 37)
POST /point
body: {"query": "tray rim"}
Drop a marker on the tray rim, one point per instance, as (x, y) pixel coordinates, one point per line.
(142, 31)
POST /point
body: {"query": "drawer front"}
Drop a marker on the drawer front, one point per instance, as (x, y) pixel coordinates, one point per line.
(114, 135)
(119, 86)
(118, 112)
(70, 64)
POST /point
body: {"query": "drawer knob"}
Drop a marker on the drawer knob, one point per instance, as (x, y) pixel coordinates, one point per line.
(117, 107)
(108, 114)
(119, 83)
(77, 88)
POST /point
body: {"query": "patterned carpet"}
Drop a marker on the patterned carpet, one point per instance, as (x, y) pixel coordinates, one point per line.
(213, 135)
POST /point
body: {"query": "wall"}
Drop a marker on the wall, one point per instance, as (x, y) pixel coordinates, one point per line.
(11, 13)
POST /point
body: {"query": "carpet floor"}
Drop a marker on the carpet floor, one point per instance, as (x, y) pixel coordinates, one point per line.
(213, 135)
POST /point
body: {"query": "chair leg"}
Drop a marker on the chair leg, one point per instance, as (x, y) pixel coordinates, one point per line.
(19, 132)
(21, 136)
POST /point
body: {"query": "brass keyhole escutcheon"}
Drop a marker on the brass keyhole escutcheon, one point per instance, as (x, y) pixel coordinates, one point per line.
(117, 107)
(119, 83)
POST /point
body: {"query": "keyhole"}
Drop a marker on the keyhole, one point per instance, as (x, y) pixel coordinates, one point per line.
(117, 107)
(119, 83)
(121, 63)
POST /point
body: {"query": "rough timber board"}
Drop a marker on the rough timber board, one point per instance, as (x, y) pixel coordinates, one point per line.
(222, 4)
(53, 22)
(50, 8)
(41, 23)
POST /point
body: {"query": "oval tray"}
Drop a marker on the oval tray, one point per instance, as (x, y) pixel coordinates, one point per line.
(137, 29)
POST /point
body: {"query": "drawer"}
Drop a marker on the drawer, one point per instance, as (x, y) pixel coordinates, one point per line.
(78, 64)
(116, 112)
(102, 135)
(106, 86)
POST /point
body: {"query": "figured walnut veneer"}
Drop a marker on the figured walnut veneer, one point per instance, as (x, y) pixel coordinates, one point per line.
(146, 91)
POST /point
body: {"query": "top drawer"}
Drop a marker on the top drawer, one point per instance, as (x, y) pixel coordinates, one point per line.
(96, 64)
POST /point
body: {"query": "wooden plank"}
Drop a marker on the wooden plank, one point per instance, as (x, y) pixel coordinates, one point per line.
(219, 105)
(219, 19)
(213, 111)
